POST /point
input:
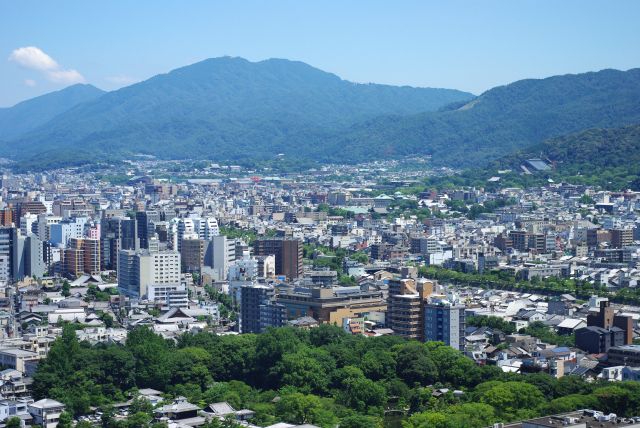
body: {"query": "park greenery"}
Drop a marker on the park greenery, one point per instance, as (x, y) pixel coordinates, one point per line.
(228, 310)
(505, 280)
(323, 257)
(335, 211)
(474, 210)
(536, 329)
(322, 376)
(246, 235)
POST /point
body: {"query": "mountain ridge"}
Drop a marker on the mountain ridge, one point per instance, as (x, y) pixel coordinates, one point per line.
(222, 104)
(32, 113)
(505, 118)
(232, 109)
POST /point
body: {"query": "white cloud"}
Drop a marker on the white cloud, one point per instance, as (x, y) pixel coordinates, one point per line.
(30, 82)
(35, 58)
(65, 76)
(121, 80)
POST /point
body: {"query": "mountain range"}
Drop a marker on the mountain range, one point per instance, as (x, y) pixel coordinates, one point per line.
(232, 109)
(504, 119)
(223, 108)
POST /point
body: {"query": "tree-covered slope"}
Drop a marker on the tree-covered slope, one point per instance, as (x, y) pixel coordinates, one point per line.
(233, 109)
(226, 108)
(609, 158)
(28, 115)
(503, 119)
(606, 157)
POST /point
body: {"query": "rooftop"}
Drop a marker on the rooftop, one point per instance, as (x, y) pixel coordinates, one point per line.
(580, 419)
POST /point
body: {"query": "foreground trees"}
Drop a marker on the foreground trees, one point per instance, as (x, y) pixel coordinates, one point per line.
(322, 376)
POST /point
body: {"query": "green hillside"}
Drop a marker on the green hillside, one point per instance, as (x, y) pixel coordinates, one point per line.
(30, 114)
(609, 158)
(606, 157)
(230, 109)
(503, 119)
(225, 108)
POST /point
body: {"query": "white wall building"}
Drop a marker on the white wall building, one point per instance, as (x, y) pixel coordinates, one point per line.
(137, 270)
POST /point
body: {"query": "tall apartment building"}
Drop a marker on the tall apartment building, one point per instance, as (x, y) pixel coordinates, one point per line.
(43, 226)
(595, 237)
(524, 241)
(185, 230)
(27, 222)
(288, 254)
(621, 238)
(405, 306)
(205, 228)
(20, 256)
(7, 236)
(92, 257)
(146, 221)
(444, 322)
(7, 216)
(33, 254)
(258, 309)
(137, 270)
(117, 233)
(538, 242)
(219, 254)
(424, 245)
(192, 254)
(129, 234)
(82, 256)
(33, 207)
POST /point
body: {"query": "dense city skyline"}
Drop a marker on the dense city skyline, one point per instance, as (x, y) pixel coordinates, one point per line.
(260, 237)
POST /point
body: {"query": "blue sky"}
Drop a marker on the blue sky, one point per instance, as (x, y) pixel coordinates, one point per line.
(469, 45)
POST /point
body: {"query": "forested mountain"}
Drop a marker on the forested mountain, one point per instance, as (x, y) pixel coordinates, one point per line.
(606, 157)
(609, 158)
(225, 108)
(232, 109)
(28, 115)
(503, 119)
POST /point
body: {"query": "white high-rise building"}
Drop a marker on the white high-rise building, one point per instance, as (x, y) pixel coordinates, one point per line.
(137, 270)
(186, 230)
(192, 228)
(172, 234)
(6, 247)
(207, 227)
(26, 223)
(220, 253)
(45, 222)
(62, 232)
